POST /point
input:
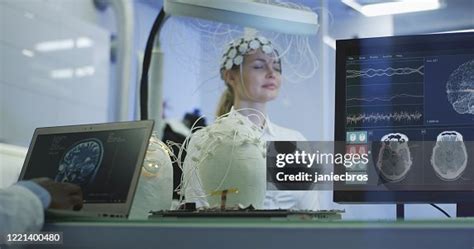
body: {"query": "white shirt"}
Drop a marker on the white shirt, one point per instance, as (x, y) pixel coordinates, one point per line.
(274, 199)
(22, 208)
(278, 199)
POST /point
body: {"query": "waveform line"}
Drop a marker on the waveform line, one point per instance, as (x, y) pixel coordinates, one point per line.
(371, 72)
(385, 98)
(377, 117)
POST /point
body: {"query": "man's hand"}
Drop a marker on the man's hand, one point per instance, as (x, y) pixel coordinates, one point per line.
(63, 195)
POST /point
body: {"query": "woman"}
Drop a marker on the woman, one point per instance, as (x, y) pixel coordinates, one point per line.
(251, 70)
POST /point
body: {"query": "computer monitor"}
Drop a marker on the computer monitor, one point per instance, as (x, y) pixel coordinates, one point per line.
(105, 160)
(416, 91)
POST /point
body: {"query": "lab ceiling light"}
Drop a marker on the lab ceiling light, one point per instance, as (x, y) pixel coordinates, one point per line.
(391, 7)
(248, 13)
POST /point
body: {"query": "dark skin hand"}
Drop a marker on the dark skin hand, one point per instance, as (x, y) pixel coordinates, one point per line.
(63, 195)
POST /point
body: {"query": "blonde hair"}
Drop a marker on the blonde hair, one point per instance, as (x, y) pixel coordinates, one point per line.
(227, 98)
(225, 102)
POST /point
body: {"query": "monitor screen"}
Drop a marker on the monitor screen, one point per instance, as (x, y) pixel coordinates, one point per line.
(101, 162)
(408, 102)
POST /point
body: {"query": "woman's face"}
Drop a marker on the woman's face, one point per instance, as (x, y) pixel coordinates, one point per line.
(261, 78)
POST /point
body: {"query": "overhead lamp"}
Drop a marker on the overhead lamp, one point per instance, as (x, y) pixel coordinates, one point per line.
(27, 52)
(247, 13)
(64, 44)
(455, 31)
(84, 42)
(372, 8)
(64, 73)
(55, 45)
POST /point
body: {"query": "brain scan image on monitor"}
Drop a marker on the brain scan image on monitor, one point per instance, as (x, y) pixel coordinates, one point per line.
(80, 163)
(460, 88)
(352, 137)
(362, 137)
(394, 158)
(449, 157)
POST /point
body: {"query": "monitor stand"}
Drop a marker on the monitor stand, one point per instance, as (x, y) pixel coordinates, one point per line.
(465, 210)
(462, 210)
(400, 211)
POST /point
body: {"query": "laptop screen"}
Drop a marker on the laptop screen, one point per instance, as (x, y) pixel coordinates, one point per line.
(101, 162)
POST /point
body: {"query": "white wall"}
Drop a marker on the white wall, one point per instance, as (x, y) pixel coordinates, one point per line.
(48, 88)
(11, 161)
(181, 79)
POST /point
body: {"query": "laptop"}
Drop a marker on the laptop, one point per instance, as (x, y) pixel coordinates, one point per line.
(103, 159)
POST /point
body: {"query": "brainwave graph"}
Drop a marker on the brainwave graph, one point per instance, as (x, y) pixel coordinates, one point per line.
(389, 72)
(378, 95)
(383, 117)
(384, 98)
(375, 116)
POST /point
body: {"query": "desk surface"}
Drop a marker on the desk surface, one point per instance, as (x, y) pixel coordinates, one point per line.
(264, 233)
